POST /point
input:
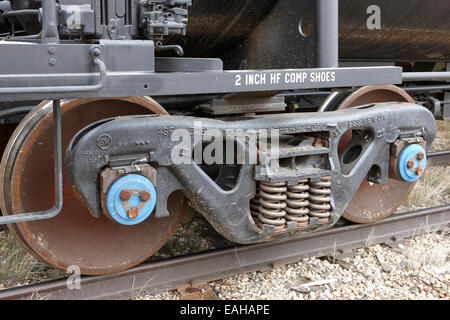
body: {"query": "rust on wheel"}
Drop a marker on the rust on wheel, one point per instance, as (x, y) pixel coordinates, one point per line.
(74, 237)
(372, 202)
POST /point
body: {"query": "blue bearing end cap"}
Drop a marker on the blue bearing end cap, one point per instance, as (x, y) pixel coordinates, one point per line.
(134, 184)
(410, 164)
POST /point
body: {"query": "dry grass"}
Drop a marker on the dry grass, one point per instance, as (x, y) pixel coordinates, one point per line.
(443, 128)
(442, 141)
(431, 190)
(430, 249)
(17, 267)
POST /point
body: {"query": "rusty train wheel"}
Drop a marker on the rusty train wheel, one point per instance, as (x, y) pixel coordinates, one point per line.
(372, 202)
(97, 246)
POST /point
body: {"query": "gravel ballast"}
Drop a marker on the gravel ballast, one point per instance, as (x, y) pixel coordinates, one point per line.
(418, 268)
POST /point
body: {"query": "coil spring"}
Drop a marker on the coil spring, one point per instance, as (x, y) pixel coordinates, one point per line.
(320, 200)
(272, 199)
(254, 203)
(297, 203)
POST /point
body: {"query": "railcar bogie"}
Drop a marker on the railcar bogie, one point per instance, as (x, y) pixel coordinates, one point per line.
(232, 128)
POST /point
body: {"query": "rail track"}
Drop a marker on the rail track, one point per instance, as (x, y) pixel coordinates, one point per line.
(172, 273)
(439, 157)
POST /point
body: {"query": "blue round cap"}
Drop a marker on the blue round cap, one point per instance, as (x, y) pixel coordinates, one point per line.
(117, 208)
(410, 154)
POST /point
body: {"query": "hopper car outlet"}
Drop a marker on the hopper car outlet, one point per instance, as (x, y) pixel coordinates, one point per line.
(146, 108)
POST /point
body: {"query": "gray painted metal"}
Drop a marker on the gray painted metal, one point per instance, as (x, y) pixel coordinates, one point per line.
(446, 107)
(96, 54)
(446, 111)
(49, 22)
(128, 55)
(173, 273)
(69, 59)
(122, 84)
(327, 33)
(163, 64)
(53, 212)
(426, 76)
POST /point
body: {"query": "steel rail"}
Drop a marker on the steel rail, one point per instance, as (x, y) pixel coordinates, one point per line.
(439, 157)
(172, 273)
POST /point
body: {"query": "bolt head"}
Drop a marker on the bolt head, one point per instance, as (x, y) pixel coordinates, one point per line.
(125, 195)
(145, 196)
(419, 171)
(133, 213)
(96, 51)
(420, 156)
(410, 164)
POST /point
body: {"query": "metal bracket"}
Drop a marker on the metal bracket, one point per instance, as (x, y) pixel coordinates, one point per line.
(96, 53)
(53, 212)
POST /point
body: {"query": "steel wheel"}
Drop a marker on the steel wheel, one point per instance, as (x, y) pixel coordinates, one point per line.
(97, 246)
(372, 202)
